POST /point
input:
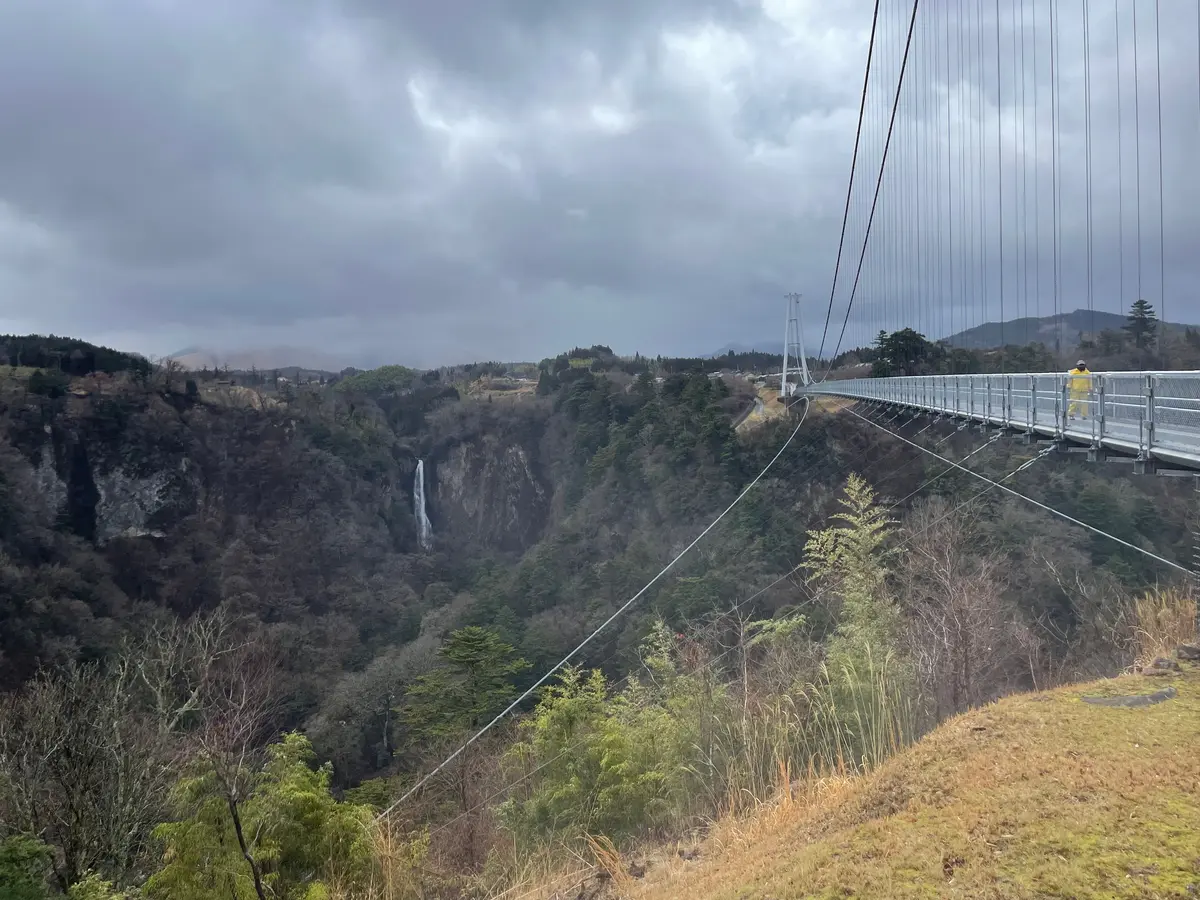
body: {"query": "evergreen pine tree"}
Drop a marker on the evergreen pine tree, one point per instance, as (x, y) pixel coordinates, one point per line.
(1143, 324)
(444, 706)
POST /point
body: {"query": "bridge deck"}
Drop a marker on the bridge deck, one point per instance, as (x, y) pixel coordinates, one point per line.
(1149, 415)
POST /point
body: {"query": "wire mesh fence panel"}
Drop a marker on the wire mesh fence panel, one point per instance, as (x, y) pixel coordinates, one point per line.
(1151, 413)
(1175, 409)
(1020, 392)
(1122, 405)
(1049, 401)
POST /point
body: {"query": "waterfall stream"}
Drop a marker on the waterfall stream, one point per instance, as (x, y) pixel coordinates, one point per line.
(424, 529)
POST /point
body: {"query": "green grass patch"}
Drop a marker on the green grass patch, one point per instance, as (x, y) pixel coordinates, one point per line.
(1039, 795)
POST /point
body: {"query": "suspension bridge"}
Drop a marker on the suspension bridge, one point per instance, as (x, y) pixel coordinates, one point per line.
(1024, 158)
(1014, 160)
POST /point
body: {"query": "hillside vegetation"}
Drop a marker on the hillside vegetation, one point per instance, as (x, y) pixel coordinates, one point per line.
(223, 610)
(1038, 795)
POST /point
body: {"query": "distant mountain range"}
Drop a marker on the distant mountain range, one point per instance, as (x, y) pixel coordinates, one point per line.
(263, 358)
(1045, 330)
(991, 334)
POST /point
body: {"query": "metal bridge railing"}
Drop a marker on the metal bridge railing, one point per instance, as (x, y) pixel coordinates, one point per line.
(1152, 414)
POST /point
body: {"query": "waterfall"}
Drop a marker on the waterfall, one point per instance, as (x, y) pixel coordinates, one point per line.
(424, 529)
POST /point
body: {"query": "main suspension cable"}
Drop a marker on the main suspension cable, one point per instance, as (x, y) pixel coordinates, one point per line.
(878, 182)
(862, 106)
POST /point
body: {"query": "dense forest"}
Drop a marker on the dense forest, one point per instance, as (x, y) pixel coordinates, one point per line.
(225, 652)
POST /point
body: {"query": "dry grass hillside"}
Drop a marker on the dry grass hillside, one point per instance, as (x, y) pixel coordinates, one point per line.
(1039, 795)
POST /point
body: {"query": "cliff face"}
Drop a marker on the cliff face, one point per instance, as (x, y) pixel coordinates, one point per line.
(107, 469)
(102, 491)
(116, 505)
(489, 491)
(139, 467)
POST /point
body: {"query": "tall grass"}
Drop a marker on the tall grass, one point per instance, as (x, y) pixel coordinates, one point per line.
(797, 734)
(744, 751)
(399, 870)
(843, 721)
(861, 715)
(1164, 618)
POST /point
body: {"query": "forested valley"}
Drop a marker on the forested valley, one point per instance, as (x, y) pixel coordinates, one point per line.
(230, 668)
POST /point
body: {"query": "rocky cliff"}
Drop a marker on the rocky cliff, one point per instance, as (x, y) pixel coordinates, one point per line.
(137, 464)
(489, 491)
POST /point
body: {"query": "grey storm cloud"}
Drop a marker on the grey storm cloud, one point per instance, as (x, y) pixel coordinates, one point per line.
(402, 180)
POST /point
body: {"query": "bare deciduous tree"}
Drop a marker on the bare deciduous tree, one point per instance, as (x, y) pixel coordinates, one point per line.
(1095, 635)
(166, 371)
(83, 768)
(238, 702)
(88, 754)
(963, 632)
(176, 662)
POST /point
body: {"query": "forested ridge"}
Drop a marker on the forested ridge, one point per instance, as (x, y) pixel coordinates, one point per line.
(234, 580)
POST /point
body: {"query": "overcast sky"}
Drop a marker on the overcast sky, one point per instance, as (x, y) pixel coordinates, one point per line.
(427, 182)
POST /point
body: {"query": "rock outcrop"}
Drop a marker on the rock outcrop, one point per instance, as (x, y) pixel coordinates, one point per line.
(488, 491)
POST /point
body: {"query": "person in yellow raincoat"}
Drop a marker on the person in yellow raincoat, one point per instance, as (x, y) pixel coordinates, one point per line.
(1079, 383)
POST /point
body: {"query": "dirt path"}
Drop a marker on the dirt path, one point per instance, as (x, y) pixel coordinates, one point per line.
(765, 407)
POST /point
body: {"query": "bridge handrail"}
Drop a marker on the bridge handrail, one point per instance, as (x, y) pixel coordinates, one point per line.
(1153, 414)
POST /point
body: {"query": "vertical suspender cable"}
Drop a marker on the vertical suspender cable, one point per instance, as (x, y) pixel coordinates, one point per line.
(961, 88)
(1087, 141)
(1162, 236)
(936, 170)
(949, 186)
(981, 103)
(882, 166)
(1037, 171)
(1000, 183)
(932, 134)
(964, 191)
(1137, 147)
(1021, 187)
(1120, 168)
(1056, 188)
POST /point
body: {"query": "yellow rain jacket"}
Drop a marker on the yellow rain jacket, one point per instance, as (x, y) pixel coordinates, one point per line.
(1080, 383)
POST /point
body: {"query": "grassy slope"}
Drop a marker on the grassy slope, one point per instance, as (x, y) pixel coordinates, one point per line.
(1039, 795)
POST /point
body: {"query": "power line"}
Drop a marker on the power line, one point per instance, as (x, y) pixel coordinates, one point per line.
(1037, 503)
(860, 457)
(739, 605)
(587, 640)
(948, 469)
